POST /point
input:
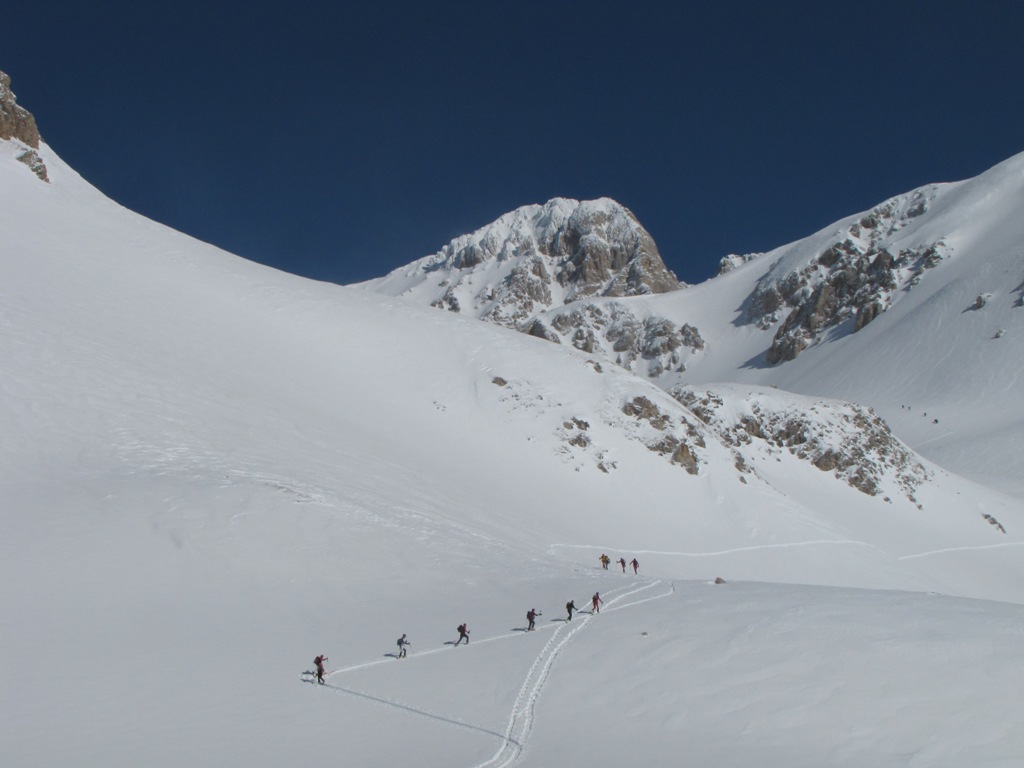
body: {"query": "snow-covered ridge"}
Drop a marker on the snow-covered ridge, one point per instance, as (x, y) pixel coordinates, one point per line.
(828, 285)
(821, 288)
(535, 258)
(860, 311)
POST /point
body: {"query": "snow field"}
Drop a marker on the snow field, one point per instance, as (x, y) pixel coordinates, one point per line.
(213, 472)
(769, 675)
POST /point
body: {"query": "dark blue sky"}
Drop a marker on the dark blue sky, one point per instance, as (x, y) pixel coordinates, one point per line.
(340, 140)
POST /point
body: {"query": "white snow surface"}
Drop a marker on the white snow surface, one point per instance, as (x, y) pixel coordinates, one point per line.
(214, 471)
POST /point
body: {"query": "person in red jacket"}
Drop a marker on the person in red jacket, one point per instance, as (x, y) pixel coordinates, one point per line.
(597, 602)
(319, 661)
(635, 565)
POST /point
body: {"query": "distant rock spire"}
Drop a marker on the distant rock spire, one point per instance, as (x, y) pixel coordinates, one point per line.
(18, 124)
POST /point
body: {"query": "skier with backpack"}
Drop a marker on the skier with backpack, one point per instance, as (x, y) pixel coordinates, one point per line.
(622, 561)
(319, 662)
(569, 608)
(635, 565)
(531, 616)
(463, 634)
(402, 642)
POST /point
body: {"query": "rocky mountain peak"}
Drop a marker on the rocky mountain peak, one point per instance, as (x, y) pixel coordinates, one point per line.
(536, 258)
(18, 124)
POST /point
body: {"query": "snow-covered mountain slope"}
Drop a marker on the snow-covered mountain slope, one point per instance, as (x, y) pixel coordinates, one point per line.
(535, 258)
(214, 471)
(121, 308)
(914, 308)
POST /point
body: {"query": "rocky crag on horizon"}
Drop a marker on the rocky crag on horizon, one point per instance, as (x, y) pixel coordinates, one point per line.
(17, 124)
(549, 271)
(865, 267)
(534, 259)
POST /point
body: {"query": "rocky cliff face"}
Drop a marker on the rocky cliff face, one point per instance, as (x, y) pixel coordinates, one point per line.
(17, 124)
(536, 258)
(851, 281)
(844, 439)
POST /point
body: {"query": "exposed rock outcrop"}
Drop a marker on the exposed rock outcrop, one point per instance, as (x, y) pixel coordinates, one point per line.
(665, 429)
(734, 260)
(647, 345)
(35, 164)
(845, 439)
(674, 438)
(17, 124)
(852, 280)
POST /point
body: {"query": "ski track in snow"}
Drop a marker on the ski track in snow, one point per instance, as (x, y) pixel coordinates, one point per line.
(671, 590)
(409, 708)
(964, 549)
(521, 718)
(419, 654)
(520, 722)
(787, 545)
